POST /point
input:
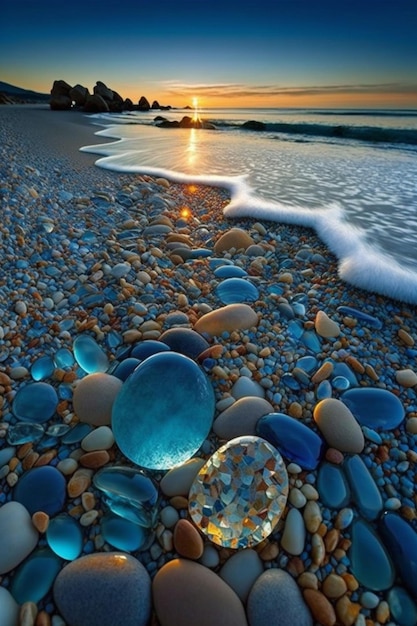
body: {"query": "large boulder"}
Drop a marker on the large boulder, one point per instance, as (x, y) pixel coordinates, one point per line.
(155, 105)
(79, 95)
(60, 96)
(96, 104)
(143, 104)
(254, 125)
(102, 90)
(128, 105)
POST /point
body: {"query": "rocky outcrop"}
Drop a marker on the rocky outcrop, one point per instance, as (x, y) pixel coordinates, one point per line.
(60, 98)
(254, 125)
(143, 104)
(186, 122)
(79, 95)
(96, 104)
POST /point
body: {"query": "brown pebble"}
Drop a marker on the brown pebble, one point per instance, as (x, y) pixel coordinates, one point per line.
(79, 482)
(331, 539)
(5, 379)
(351, 582)
(334, 586)
(30, 459)
(179, 502)
(369, 370)
(24, 450)
(322, 373)
(270, 551)
(295, 566)
(355, 364)
(295, 410)
(334, 456)
(27, 614)
(40, 520)
(13, 463)
(322, 610)
(43, 619)
(405, 337)
(95, 459)
(88, 500)
(46, 458)
(187, 540)
(347, 611)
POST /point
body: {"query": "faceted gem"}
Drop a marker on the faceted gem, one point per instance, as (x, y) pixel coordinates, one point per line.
(400, 538)
(332, 486)
(34, 578)
(35, 402)
(123, 534)
(365, 492)
(234, 290)
(373, 407)
(89, 355)
(294, 440)
(41, 489)
(129, 493)
(239, 495)
(163, 412)
(65, 537)
(370, 562)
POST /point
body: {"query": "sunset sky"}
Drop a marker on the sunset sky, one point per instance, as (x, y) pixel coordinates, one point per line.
(235, 53)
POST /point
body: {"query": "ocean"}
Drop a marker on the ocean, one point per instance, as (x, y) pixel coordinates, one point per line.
(351, 175)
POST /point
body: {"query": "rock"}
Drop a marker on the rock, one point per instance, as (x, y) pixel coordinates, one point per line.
(338, 426)
(143, 104)
(245, 387)
(155, 105)
(79, 95)
(102, 90)
(275, 600)
(100, 438)
(406, 378)
(9, 609)
(236, 238)
(240, 418)
(254, 125)
(18, 536)
(92, 590)
(94, 396)
(178, 480)
(60, 98)
(185, 592)
(334, 586)
(241, 571)
(326, 327)
(293, 537)
(323, 612)
(187, 540)
(226, 319)
(96, 104)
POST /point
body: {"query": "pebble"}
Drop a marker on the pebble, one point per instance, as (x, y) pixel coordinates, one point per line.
(241, 571)
(100, 438)
(9, 609)
(94, 396)
(338, 426)
(187, 540)
(406, 378)
(326, 327)
(293, 537)
(226, 319)
(241, 417)
(178, 480)
(322, 610)
(235, 238)
(179, 583)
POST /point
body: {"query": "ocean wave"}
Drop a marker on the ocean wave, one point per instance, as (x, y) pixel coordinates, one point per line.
(361, 133)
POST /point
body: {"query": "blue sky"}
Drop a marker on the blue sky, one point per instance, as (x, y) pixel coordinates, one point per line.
(230, 53)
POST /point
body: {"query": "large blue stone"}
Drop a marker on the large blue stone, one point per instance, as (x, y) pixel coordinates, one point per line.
(370, 561)
(123, 534)
(185, 341)
(235, 290)
(294, 440)
(35, 402)
(332, 486)
(41, 489)
(373, 407)
(400, 538)
(35, 577)
(365, 492)
(163, 412)
(403, 608)
(146, 348)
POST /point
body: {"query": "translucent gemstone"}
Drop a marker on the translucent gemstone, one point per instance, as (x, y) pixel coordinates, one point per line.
(129, 493)
(294, 440)
(239, 495)
(24, 432)
(400, 538)
(77, 433)
(374, 407)
(332, 486)
(230, 271)
(143, 349)
(122, 533)
(311, 341)
(296, 328)
(163, 412)
(235, 290)
(35, 402)
(402, 606)
(42, 368)
(58, 430)
(89, 355)
(64, 358)
(340, 383)
(34, 578)
(365, 492)
(41, 489)
(370, 562)
(65, 537)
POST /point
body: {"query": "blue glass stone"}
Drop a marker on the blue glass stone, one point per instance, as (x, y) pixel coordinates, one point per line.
(24, 432)
(340, 383)
(214, 263)
(290, 381)
(299, 309)
(230, 271)
(64, 358)
(332, 486)
(311, 341)
(41, 489)
(35, 577)
(143, 349)
(77, 433)
(402, 607)
(35, 402)
(185, 341)
(373, 407)
(341, 369)
(301, 376)
(125, 368)
(123, 534)
(307, 363)
(285, 310)
(156, 429)
(129, 493)
(65, 537)
(89, 355)
(275, 289)
(42, 368)
(365, 492)
(324, 390)
(114, 339)
(400, 538)
(369, 320)
(370, 562)
(296, 328)
(236, 290)
(294, 440)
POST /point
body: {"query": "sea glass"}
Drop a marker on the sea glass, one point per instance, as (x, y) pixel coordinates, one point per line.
(64, 358)
(235, 290)
(370, 562)
(239, 495)
(403, 608)
(295, 441)
(123, 534)
(36, 402)
(163, 412)
(400, 538)
(374, 407)
(230, 271)
(89, 356)
(24, 432)
(311, 341)
(365, 492)
(332, 486)
(42, 368)
(368, 320)
(65, 537)
(41, 489)
(77, 433)
(34, 578)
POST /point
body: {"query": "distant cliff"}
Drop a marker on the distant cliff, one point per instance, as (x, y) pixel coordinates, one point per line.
(9, 94)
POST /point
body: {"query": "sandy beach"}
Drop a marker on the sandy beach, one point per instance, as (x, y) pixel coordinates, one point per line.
(125, 259)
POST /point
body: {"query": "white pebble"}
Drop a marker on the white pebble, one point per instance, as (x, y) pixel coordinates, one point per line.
(67, 466)
(20, 307)
(100, 438)
(293, 537)
(297, 498)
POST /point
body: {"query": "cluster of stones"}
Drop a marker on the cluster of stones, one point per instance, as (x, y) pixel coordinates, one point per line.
(102, 100)
(283, 371)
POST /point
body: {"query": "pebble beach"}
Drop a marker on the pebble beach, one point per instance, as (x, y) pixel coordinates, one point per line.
(100, 270)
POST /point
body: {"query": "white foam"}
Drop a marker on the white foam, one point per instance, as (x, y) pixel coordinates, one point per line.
(359, 263)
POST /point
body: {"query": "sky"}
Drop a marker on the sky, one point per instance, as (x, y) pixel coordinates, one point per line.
(233, 53)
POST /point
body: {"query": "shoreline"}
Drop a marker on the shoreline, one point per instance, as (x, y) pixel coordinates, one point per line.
(89, 251)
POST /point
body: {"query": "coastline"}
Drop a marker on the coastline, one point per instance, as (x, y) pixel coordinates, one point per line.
(46, 181)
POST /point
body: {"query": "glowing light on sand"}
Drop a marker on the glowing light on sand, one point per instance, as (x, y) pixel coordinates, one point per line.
(185, 212)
